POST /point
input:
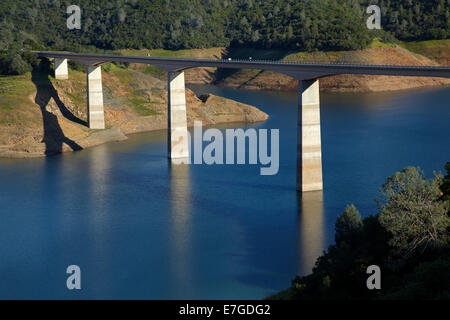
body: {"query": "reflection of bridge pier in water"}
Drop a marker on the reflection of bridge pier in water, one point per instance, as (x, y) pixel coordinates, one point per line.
(180, 224)
(98, 187)
(311, 229)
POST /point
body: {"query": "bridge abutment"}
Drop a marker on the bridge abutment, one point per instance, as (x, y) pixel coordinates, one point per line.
(95, 111)
(178, 145)
(61, 70)
(309, 148)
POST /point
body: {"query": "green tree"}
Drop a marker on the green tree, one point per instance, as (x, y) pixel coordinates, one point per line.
(6, 36)
(412, 211)
(445, 187)
(348, 226)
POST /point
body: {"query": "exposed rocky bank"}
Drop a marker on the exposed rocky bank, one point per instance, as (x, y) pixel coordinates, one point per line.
(51, 118)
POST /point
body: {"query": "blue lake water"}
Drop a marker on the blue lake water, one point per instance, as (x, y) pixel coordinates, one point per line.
(139, 227)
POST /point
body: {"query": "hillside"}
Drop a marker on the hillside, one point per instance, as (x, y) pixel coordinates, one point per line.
(42, 116)
(437, 50)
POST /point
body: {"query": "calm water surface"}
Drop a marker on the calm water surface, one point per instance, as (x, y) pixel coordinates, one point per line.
(141, 228)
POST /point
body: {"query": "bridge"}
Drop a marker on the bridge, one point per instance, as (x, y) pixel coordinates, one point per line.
(309, 149)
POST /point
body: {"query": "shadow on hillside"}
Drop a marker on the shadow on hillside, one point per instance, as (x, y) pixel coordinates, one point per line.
(53, 135)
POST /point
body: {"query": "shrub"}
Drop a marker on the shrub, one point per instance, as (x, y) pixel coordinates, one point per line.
(13, 64)
(74, 65)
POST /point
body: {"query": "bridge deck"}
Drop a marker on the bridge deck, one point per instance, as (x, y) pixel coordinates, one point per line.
(297, 70)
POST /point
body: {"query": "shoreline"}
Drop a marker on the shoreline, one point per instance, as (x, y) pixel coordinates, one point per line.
(127, 137)
(343, 84)
(117, 134)
(403, 90)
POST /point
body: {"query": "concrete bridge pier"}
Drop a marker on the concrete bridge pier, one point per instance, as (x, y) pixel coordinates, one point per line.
(61, 70)
(95, 111)
(176, 116)
(309, 149)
